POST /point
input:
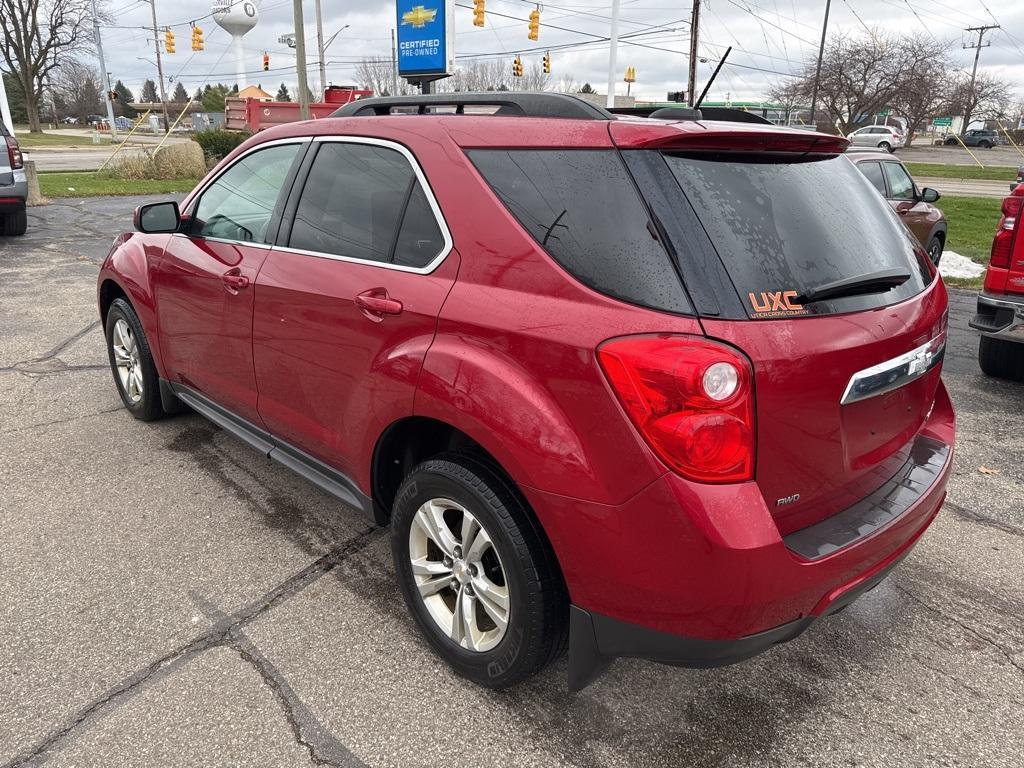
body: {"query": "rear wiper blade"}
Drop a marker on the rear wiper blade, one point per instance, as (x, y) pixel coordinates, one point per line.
(872, 282)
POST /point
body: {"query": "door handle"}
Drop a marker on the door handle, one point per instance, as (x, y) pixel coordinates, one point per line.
(234, 280)
(375, 303)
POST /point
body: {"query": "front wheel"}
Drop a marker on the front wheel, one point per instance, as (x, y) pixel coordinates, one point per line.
(1001, 359)
(985, 145)
(885, 146)
(131, 362)
(476, 574)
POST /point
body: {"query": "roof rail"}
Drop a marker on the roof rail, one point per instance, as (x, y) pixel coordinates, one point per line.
(560, 105)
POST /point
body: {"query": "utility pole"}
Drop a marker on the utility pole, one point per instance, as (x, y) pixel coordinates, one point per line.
(300, 59)
(394, 65)
(103, 69)
(974, 71)
(612, 53)
(691, 81)
(160, 70)
(817, 71)
(320, 46)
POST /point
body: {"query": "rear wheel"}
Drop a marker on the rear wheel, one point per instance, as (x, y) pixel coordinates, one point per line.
(1001, 359)
(985, 144)
(475, 573)
(132, 363)
(16, 223)
(885, 146)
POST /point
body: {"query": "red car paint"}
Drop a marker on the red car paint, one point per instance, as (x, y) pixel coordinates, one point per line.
(500, 342)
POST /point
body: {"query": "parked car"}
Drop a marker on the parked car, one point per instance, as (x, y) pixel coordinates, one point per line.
(975, 138)
(13, 186)
(887, 138)
(610, 383)
(1000, 315)
(915, 207)
(70, 121)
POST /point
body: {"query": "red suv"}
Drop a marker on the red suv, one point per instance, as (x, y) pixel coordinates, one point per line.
(1000, 315)
(653, 388)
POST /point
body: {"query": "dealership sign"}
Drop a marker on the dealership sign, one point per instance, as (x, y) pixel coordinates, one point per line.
(426, 38)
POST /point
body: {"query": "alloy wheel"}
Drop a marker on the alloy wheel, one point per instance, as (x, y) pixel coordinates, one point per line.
(127, 360)
(459, 575)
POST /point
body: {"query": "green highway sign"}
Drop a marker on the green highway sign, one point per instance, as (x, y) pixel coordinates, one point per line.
(942, 121)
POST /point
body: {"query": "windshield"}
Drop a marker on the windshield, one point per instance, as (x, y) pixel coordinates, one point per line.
(783, 228)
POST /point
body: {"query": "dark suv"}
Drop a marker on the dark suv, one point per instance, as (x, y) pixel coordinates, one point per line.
(641, 387)
(977, 137)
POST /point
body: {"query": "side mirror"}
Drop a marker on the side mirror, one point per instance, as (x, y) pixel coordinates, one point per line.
(929, 195)
(155, 218)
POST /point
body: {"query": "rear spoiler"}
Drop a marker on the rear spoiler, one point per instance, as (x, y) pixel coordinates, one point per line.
(714, 138)
(682, 112)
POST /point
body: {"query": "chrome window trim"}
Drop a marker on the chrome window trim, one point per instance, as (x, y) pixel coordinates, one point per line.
(198, 194)
(410, 158)
(893, 374)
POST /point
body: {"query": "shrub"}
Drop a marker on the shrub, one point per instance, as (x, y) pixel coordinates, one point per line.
(174, 161)
(219, 142)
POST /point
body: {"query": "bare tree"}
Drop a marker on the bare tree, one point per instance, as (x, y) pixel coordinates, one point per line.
(988, 99)
(534, 78)
(566, 84)
(377, 74)
(38, 37)
(77, 90)
(923, 81)
(478, 75)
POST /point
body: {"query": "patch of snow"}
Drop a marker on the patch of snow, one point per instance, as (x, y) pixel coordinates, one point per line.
(953, 264)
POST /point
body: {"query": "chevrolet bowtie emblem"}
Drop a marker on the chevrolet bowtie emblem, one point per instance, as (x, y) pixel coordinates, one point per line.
(419, 16)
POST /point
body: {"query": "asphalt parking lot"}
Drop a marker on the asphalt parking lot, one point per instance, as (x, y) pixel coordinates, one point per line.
(169, 597)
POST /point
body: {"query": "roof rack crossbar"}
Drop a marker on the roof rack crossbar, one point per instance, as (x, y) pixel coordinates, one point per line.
(557, 105)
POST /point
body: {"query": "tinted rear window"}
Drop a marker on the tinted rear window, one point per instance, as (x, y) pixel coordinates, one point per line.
(582, 207)
(792, 226)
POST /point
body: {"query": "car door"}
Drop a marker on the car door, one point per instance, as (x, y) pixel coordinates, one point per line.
(347, 301)
(905, 200)
(204, 285)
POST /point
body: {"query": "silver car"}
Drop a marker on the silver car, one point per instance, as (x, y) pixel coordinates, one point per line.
(883, 137)
(13, 186)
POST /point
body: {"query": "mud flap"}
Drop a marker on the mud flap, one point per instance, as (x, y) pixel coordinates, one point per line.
(586, 663)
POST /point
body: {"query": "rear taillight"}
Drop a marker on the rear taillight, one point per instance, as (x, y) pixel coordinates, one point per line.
(14, 153)
(1002, 243)
(691, 399)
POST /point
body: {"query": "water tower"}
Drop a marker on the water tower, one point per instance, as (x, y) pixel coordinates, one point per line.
(236, 17)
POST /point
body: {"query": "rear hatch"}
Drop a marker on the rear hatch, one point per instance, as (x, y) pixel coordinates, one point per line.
(784, 224)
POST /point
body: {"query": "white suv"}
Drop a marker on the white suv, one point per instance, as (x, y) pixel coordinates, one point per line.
(883, 137)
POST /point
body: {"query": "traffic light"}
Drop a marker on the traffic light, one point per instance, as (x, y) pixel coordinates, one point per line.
(169, 41)
(112, 95)
(517, 67)
(197, 39)
(478, 13)
(630, 75)
(547, 62)
(266, 61)
(534, 24)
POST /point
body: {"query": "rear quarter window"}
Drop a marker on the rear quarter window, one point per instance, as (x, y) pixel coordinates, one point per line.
(582, 207)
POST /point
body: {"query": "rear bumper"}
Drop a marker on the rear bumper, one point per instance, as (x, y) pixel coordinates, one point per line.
(1001, 317)
(701, 576)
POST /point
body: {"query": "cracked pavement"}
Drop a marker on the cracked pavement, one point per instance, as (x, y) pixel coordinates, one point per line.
(170, 597)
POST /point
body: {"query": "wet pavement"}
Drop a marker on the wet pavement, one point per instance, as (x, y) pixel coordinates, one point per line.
(170, 597)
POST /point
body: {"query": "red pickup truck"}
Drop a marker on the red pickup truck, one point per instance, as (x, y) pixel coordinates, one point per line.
(1000, 315)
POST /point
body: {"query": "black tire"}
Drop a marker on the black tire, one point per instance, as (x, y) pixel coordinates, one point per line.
(885, 146)
(985, 145)
(935, 249)
(536, 633)
(147, 407)
(1001, 359)
(16, 222)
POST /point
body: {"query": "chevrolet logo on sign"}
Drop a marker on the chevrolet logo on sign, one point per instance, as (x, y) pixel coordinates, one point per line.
(419, 16)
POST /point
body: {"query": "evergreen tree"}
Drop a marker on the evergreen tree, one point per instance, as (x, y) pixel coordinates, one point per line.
(213, 97)
(149, 94)
(282, 94)
(124, 98)
(16, 100)
(587, 88)
(180, 95)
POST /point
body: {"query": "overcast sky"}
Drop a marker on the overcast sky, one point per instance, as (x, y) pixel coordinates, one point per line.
(770, 38)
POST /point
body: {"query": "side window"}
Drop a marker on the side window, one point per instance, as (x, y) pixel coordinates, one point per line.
(873, 172)
(582, 207)
(901, 186)
(363, 201)
(241, 202)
